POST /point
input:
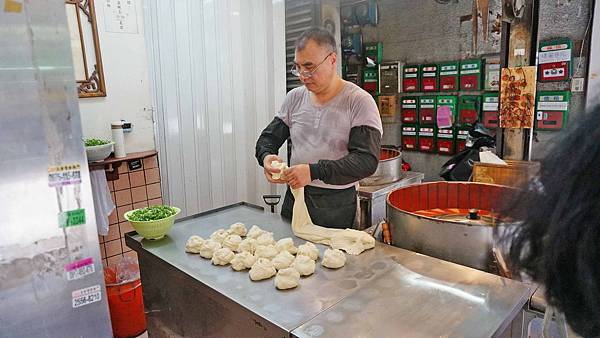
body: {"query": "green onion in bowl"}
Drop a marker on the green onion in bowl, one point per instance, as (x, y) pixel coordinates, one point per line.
(153, 222)
(152, 213)
(90, 142)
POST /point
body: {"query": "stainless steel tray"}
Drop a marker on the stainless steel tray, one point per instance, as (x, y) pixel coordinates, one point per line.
(385, 288)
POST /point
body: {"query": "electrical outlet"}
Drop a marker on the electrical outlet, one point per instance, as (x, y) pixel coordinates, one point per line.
(577, 84)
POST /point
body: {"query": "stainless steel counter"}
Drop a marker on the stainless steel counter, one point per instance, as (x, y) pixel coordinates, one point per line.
(372, 198)
(374, 191)
(423, 296)
(385, 289)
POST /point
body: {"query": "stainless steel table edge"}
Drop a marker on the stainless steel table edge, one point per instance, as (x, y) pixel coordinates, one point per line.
(518, 308)
(374, 191)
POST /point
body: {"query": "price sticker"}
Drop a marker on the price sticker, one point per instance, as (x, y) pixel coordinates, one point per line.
(64, 175)
(83, 297)
(80, 269)
(71, 218)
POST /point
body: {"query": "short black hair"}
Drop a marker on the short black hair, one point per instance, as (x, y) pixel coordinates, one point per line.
(320, 35)
(558, 243)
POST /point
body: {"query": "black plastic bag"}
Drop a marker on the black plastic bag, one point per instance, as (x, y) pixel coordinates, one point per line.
(460, 167)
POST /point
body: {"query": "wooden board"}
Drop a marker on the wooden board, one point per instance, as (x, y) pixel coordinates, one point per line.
(516, 174)
(387, 105)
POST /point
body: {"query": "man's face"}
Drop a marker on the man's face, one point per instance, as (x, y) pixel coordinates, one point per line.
(308, 59)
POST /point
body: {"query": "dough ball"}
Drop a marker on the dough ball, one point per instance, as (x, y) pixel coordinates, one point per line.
(219, 235)
(287, 278)
(281, 166)
(209, 248)
(266, 251)
(238, 229)
(265, 239)
(222, 256)
(247, 244)
(243, 260)
(304, 265)
(286, 244)
(333, 259)
(308, 249)
(262, 269)
(283, 260)
(254, 232)
(232, 242)
(352, 241)
(194, 244)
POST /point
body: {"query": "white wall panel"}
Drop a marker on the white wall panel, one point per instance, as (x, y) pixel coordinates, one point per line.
(218, 72)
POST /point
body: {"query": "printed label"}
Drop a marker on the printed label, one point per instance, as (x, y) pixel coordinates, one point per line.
(86, 296)
(555, 56)
(71, 218)
(554, 47)
(64, 175)
(80, 269)
(548, 105)
(472, 71)
(469, 66)
(555, 72)
(490, 106)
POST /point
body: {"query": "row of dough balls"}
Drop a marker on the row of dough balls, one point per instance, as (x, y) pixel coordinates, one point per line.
(264, 256)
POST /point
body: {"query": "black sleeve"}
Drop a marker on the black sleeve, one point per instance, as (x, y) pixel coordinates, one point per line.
(363, 146)
(271, 139)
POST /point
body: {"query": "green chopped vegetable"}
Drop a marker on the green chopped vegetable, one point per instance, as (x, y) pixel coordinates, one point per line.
(90, 142)
(152, 213)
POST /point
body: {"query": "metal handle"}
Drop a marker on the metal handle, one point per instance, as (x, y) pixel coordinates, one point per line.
(272, 201)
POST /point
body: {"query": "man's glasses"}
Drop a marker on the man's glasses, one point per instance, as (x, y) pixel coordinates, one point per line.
(308, 73)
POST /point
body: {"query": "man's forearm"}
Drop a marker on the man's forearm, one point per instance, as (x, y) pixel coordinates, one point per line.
(362, 160)
(271, 139)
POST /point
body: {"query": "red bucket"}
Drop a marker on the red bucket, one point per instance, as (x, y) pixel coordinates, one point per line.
(126, 309)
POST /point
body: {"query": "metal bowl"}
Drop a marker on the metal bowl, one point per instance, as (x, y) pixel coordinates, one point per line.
(389, 169)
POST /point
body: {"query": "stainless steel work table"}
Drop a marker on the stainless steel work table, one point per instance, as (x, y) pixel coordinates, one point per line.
(385, 291)
(373, 197)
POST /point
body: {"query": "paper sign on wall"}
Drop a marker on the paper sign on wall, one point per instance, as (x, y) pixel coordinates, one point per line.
(120, 16)
(444, 117)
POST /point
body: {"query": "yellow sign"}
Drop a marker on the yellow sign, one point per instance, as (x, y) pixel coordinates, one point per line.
(13, 6)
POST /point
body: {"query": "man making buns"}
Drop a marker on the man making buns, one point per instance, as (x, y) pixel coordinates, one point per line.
(335, 131)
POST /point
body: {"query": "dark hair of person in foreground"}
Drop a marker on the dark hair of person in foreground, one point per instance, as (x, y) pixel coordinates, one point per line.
(558, 244)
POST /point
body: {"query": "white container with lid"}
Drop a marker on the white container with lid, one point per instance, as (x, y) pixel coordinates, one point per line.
(119, 139)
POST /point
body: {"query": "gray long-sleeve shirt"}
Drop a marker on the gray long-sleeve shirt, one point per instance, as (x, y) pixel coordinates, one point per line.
(340, 140)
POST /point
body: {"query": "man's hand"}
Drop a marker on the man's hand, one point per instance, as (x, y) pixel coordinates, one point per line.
(269, 170)
(298, 176)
